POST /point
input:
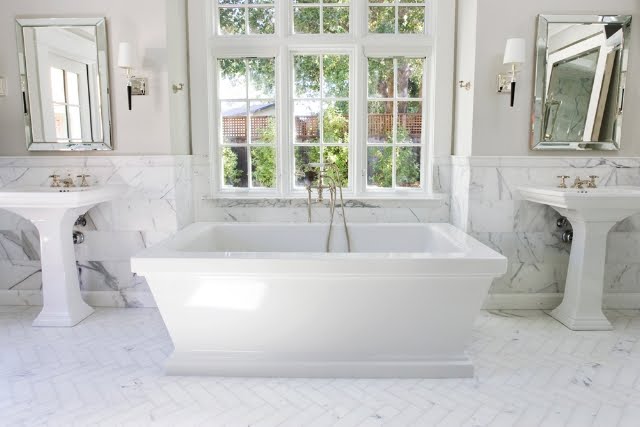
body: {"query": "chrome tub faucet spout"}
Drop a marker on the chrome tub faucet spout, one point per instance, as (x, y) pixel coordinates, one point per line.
(330, 173)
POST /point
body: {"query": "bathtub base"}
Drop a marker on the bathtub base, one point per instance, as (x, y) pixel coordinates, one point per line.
(230, 365)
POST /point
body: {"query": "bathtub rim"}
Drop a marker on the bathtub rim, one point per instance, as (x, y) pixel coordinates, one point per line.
(474, 258)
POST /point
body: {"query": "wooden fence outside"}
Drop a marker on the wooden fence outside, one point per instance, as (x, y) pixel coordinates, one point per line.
(307, 127)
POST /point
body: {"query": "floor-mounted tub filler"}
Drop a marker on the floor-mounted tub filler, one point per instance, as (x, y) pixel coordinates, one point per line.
(266, 300)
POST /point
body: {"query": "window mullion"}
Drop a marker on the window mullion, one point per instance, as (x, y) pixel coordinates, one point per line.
(394, 130)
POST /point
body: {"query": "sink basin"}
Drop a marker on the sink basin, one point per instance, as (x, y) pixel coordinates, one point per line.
(592, 213)
(615, 201)
(54, 211)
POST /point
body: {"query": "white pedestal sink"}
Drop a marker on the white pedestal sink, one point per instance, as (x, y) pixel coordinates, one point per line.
(592, 213)
(54, 211)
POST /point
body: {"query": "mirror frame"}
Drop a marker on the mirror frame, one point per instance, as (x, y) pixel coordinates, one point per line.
(103, 70)
(539, 94)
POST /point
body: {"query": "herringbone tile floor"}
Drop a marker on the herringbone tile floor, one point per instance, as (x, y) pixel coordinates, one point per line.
(107, 371)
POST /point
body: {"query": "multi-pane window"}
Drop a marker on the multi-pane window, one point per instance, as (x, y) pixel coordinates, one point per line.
(66, 105)
(319, 88)
(397, 16)
(320, 16)
(239, 17)
(395, 122)
(321, 112)
(248, 122)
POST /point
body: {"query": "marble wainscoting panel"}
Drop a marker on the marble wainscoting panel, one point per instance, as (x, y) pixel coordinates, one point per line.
(460, 192)
(526, 232)
(240, 212)
(295, 210)
(159, 203)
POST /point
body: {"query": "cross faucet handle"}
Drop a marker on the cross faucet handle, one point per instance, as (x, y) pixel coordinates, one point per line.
(592, 183)
(83, 182)
(562, 178)
(55, 180)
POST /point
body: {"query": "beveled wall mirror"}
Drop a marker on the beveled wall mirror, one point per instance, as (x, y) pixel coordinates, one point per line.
(64, 73)
(581, 67)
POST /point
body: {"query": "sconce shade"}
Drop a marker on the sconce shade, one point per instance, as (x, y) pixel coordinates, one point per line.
(125, 55)
(514, 52)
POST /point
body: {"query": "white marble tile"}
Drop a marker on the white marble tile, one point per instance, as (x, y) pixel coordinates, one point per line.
(533, 217)
(20, 275)
(491, 216)
(109, 245)
(533, 248)
(531, 278)
(622, 278)
(530, 371)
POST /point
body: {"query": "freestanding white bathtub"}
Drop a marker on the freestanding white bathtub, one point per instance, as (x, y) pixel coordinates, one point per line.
(257, 299)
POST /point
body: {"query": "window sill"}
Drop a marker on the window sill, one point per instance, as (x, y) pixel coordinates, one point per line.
(433, 200)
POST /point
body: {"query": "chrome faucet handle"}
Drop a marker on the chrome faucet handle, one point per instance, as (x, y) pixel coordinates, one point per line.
(55, 181)
(563, 178)
(592, 183)
(83, 182)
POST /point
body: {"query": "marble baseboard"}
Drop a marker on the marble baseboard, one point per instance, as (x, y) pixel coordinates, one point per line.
(113, 299)
(549, 301)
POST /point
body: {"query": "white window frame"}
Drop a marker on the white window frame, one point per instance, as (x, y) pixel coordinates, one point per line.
(437, 45)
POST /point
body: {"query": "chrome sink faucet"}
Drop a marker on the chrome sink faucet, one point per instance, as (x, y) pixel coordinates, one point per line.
(68, 182)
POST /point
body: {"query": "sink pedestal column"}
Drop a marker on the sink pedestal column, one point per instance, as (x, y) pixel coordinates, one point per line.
(581, 307)
(63, 305)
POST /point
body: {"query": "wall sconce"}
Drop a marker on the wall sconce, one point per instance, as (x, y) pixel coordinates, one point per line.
(514, 54)
(126, 59)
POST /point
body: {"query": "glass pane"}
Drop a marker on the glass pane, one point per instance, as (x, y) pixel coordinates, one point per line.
(409, 122)
(233, 79)
(232, 21)
(336, 20)
(336, 76)
(262, 20)
(381, 83)
(57, 85)
(75, 125)
(382, 19)
(307, 76)
(306, 1)
(408, 167)
(272, 2)
(340, 157)
(263, 167)
(304, 156)
(411, 20)
(410, 73)
(232, 1)
(380, 167)
(234, 122)
(336, 122)
(60, 118)
(380, 122)
(235, 168)
(263, 122)
(307, 117)
(72, 89)
(262, 78)
(306, 20)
